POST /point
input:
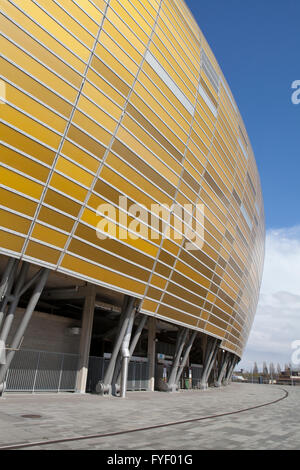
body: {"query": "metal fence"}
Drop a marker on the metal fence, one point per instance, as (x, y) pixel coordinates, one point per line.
(197, 370)
(138, 373)
(44, 371)
(41, 371)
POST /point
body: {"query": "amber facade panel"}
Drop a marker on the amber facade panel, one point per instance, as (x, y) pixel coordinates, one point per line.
(124, 98)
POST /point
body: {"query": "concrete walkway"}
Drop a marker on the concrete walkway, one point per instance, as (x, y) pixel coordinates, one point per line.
(276, 426)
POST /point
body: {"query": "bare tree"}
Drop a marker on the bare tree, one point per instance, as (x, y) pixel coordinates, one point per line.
(272, 369)
(265, 369)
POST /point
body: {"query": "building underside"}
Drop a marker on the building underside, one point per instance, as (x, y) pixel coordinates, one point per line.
(102, 337)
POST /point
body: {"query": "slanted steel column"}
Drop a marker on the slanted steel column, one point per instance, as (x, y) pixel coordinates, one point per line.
(7, 318)
(225, 379)
(230, 368)
(207, 355)
(137, 334)
(185, 357)
(126, 355)
(134, 341)
(85, 338)
(6, 276)
(6, 286)
(15, 300)
(212, 351)
(24, 322)
(222, 371)
(182, 335)
(212, 361)
(151, 352)
(235, 361)
(105, 387)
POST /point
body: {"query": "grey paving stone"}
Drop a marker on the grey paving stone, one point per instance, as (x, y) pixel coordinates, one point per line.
(276, 426)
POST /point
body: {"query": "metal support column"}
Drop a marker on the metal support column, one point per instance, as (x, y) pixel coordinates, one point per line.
(6, 276)
(235, 361)
(134, 341)
(137, 334)
(229, 364)
(212, 350)
(230, 368)
(207, 355)
(7, 317)
(223, 368)
(126, 355)
(185, 357)
(85, 339)
(24, 322)
(14, 303)
(105, 387)
(212, 361)
(182, 335)
(6, 286)
(151, 352)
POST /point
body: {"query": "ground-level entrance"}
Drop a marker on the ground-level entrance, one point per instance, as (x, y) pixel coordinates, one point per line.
(59, 333)
(34, 371)
(43, 371)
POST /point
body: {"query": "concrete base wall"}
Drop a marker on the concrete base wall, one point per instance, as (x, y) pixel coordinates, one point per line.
(48, 333)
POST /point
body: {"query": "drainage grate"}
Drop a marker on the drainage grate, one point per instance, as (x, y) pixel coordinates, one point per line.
(31, 416)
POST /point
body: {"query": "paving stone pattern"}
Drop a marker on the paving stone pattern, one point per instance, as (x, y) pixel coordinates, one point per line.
(276, 426)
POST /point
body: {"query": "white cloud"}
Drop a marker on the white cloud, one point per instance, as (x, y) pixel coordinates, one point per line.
(277, 321)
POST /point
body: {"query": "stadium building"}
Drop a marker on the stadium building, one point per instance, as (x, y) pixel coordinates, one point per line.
(132, 221)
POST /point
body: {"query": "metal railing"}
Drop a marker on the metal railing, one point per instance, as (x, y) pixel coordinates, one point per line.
(41, 371)
(196, 375)
(138, 373)
(44, 371)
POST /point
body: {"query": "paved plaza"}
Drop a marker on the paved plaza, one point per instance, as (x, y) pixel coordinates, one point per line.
(276, 426)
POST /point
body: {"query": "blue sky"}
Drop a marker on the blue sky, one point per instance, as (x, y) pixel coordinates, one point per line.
(257, 45)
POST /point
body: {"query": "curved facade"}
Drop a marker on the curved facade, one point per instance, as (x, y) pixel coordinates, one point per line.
(109, 99)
